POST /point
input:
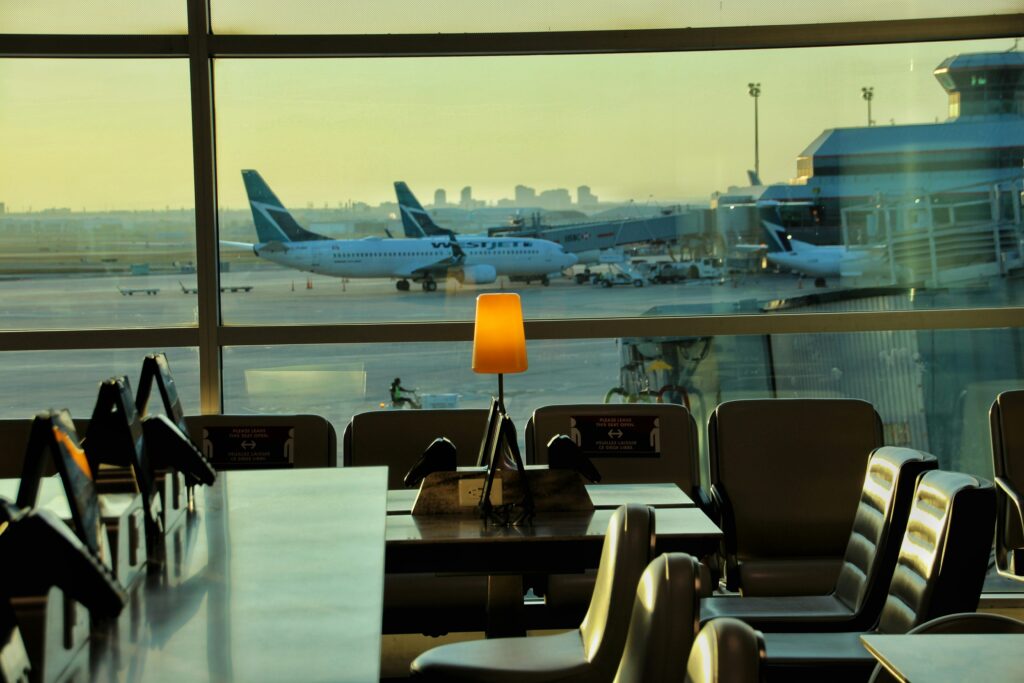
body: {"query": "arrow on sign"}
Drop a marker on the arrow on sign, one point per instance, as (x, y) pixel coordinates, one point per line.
(615, 433)
(248, 445)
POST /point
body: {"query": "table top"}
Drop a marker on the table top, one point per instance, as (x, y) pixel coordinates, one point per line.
(952, 658)
(277, 576)
(604, 496)
(566, 541)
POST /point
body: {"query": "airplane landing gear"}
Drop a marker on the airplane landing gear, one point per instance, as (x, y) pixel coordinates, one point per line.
(429, 286)
(402, 285)
(545, 281)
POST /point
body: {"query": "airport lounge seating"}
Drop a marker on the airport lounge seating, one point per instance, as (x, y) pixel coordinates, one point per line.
(940, 570)
(664, 621)
(969, 622)
(397, 438)
(726, 651)
(589, 653)
(1006, 420)
(677, 455)
(310, 440)
(874, 542)
(677, 461)
(771, 462)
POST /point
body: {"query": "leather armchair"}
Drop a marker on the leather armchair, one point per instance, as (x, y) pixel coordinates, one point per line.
(1006, 421)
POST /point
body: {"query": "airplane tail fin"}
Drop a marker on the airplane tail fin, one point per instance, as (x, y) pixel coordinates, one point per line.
(778, 237)
(415, 220)
(273, 222)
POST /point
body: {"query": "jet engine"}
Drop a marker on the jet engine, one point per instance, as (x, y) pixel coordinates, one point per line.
(481, 274)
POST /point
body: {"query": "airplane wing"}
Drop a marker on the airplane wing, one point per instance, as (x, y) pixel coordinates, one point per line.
(239, 245)
(440, 266)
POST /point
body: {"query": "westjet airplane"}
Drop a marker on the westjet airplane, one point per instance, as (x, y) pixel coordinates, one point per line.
(813, 259)
(423, 260)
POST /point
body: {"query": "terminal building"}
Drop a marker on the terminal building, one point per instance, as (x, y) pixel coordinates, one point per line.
(861, 186)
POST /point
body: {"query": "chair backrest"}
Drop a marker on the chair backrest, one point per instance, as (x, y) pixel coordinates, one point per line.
(772, 461)
(1006, 422)
(969, 622)
(628, 545)
(235, 442)
(878, 529)
(397, 438)
(14, 434)
(944, 554)
(726, 651)
(666, 618)
(668, 452)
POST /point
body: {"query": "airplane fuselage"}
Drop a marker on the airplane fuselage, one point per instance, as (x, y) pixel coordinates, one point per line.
(403, 258)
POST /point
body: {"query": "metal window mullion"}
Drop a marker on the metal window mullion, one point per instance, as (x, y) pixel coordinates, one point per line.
(708, 325)
(205, 177)
(68, 340)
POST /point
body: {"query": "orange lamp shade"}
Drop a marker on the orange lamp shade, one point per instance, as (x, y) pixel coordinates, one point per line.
(499, 341)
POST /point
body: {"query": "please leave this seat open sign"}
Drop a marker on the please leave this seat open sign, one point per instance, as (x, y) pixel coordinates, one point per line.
(605, 436)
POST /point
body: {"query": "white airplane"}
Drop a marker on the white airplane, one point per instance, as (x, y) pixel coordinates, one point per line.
(812, 259)
(423, 260)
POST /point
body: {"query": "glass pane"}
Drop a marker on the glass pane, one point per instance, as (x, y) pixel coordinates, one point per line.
(931, 388)
(458, 16)
(38, 380)
(97, 227)
(96, 16)
(634, 166)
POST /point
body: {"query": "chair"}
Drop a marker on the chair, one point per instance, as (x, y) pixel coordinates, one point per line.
(664, 621)
(940, 570)
(265, 441)
(588, 653)
(677, 458)
(874, 542)
(677, 461)
(771, 462)
(970, 622)
(726, 651)
(1006, 420)
(397, 438)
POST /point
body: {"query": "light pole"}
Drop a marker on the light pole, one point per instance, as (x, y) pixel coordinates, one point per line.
(755, 91)
(868, 93)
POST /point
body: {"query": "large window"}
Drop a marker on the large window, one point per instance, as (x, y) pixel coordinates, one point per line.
(875, 251)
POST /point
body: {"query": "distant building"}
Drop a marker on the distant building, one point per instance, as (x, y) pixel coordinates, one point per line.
(585, 198)
(555, 199)
(440, 197)
(3, 208)
(466, 197)
(525, 196)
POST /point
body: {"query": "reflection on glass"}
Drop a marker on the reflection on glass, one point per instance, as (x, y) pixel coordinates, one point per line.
(405, 202)
(459, 16)
(96, 221)
(38, 380)
(932, 388)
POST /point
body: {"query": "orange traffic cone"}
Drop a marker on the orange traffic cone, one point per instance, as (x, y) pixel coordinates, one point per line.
(309, 283)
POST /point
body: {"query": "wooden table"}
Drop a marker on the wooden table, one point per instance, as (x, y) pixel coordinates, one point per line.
(604, 497)
(563, 542)
(949, 658)
(278, 577)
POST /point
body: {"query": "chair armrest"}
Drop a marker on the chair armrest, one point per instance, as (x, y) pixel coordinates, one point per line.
(1010, 492)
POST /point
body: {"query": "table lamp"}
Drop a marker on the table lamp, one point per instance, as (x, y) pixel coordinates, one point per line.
(499, 347)
(499, 340)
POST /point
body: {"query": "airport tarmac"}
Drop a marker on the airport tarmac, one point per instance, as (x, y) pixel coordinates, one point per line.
(335, 380)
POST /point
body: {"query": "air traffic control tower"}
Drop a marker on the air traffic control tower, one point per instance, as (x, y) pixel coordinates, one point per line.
(983, 84)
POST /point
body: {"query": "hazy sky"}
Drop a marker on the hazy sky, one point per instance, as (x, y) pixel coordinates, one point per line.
(106, 134)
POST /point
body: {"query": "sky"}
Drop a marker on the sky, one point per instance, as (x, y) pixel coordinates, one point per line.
(115, 134)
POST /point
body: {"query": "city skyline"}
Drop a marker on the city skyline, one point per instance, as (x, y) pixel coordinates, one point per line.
(663, 127)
